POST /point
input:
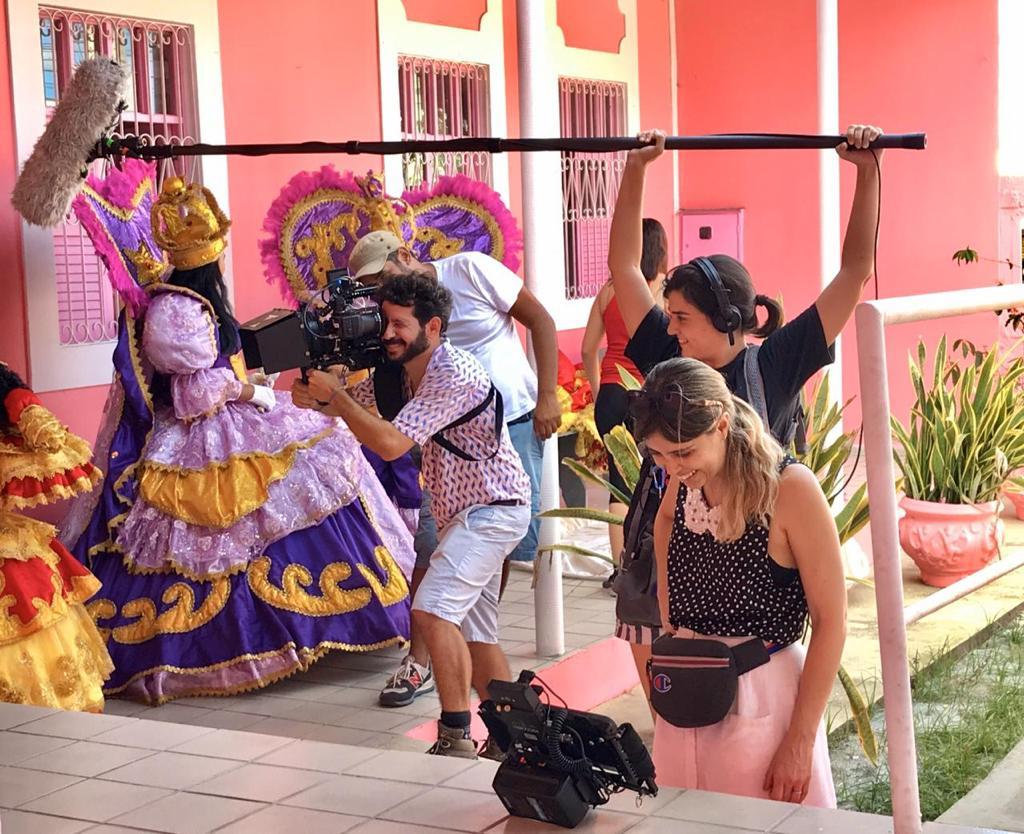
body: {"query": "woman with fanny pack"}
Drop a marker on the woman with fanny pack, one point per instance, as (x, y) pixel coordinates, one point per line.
(746, 550)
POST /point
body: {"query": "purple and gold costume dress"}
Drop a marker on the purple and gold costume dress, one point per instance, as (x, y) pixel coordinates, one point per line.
(255, 541)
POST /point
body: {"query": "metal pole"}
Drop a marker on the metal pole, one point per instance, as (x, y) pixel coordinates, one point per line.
(892, 634)
(600, 144)
(539, 216)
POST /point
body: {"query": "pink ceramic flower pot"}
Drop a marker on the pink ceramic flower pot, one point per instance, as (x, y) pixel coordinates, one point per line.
(1017, 500)
(949, 541)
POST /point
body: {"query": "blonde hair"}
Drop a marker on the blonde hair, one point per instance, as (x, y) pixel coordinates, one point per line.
(685, 398)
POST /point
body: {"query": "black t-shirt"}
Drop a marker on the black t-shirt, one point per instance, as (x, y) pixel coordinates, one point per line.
(787, 359)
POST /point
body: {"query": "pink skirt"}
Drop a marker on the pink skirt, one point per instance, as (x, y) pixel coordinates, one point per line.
(733, 755)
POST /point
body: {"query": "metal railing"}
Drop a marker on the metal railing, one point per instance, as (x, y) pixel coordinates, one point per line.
(893, 618)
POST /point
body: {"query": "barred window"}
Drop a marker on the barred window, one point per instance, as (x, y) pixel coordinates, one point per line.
(443, 100)
(590, 181)
(161, 99)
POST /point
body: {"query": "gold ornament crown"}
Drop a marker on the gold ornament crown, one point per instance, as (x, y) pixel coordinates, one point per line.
(188, 224)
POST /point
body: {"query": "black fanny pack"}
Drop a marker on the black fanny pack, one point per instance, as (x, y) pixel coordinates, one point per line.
(694, 681)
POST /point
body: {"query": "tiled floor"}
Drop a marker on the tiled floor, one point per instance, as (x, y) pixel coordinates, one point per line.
(336, 700)
(66, 773)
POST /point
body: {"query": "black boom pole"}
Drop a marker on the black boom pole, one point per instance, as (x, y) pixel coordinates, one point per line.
(131, 146)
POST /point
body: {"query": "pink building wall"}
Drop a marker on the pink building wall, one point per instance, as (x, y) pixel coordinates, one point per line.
(927, 66)
(290, 82)
(750, 66)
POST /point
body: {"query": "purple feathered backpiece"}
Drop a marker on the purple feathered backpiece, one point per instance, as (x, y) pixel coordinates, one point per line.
(317, 218)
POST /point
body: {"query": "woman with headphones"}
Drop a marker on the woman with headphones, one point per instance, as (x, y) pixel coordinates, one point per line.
(710, 307)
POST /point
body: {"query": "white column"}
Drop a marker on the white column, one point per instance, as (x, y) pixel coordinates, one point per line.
(828, 166)
(542, 224)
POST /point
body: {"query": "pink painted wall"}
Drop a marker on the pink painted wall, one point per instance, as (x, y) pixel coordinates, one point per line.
(725, 86)
(313, 87)
(900, 67)
(465, 14)
(593, 24)
(934, 68)
(597, 26)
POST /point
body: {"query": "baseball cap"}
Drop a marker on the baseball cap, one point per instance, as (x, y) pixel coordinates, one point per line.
(371, 252)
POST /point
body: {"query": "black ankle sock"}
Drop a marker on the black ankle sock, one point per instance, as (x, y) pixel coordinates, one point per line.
(455, 720)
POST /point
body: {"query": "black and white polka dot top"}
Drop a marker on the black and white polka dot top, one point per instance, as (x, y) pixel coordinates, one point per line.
(732, 589)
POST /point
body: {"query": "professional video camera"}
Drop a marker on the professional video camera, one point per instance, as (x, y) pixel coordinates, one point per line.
(332, 328)
(560, 762)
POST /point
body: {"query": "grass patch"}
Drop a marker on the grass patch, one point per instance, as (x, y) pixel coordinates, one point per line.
(968, 714)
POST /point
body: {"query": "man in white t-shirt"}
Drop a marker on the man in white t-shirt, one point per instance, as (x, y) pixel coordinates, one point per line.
(487, 301)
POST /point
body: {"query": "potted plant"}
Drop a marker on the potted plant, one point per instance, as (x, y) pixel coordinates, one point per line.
(964, 439)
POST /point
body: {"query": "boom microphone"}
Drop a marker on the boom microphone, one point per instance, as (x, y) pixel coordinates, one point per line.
(56, 169)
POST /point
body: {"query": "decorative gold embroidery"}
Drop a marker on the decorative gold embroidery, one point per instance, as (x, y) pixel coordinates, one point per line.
(11, 694)
(441, 246)
(493, 230)
(320, 240)
(102, 609)
(66, 681)
(48, 611)
(23, 538)
(85, 652)
(181, 617)
(292, 596)
(395, 589)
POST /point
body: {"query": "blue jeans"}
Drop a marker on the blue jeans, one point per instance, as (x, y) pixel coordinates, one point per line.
(531, 453)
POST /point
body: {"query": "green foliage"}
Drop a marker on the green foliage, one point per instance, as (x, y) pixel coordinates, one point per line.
(827, 454)
(965, 255)
(969, 714)
(965, 435)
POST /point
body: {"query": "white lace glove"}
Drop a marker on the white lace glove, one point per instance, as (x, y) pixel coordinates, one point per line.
(263, 397)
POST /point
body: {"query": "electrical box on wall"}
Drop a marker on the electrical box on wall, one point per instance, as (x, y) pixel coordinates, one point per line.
(710, 232)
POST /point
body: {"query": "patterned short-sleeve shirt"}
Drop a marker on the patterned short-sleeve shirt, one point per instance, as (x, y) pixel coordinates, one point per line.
(454, 384)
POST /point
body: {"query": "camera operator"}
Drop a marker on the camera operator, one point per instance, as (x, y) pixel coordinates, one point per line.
(487, 301)
(479, 489)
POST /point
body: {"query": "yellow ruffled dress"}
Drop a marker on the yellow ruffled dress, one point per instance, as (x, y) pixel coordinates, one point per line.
(51, 653)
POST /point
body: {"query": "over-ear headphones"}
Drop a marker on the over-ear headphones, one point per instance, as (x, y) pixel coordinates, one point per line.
(728, 319)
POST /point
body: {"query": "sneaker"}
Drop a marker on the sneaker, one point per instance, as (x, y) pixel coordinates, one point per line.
(407, 684)
(453, 741)
(490, 750)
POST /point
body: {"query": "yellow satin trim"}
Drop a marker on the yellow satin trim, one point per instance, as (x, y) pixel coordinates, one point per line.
(185, 615)
(63, 666)
(219, 495)
(394, 589)
(292, 596)
(181, 617)
(238, 366)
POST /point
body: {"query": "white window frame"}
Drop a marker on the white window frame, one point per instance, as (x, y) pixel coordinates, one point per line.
(54, 366)
(398, 35)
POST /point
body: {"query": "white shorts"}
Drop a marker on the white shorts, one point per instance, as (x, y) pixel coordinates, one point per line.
(464, 578)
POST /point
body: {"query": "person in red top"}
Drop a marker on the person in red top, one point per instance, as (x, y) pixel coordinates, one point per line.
(605, 322)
